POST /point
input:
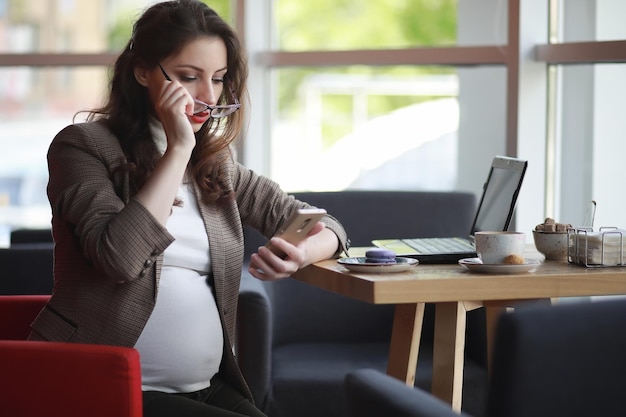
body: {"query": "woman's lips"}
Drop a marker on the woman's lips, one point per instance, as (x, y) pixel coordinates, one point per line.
(200, 117)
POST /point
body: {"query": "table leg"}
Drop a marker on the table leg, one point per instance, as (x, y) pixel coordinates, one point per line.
(405, 341)
(448, 352)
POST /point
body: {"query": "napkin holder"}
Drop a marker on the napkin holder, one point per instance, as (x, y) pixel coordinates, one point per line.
(602, 248)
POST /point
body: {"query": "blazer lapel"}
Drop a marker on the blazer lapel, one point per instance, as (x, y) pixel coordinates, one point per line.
(214, 229)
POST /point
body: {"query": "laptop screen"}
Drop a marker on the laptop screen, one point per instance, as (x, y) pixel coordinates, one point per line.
(500, 191)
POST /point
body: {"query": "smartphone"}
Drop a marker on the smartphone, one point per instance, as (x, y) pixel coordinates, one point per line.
(297, 227)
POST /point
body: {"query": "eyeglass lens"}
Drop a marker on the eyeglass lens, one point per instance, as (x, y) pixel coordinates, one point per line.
(215, 111)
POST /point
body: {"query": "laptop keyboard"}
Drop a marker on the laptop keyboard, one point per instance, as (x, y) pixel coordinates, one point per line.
(440, 245)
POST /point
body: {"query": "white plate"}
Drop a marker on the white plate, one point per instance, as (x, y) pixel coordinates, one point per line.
(476, 265)
(359, 265)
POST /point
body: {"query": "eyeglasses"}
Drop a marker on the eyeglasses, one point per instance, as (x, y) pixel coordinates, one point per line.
(214, 111)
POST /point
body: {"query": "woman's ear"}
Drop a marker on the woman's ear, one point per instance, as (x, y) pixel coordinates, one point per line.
(141, 75)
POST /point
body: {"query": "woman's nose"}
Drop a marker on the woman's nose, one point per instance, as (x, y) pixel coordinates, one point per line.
(208, 93)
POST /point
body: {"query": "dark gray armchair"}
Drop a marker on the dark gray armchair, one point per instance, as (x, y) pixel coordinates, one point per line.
(296, 343)
(371, 393)
(26, 269)
(26, 266)
(566, 360)
(31, 237)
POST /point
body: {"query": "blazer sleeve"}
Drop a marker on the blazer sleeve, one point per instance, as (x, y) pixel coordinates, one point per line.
(264, 206)
(90, 196)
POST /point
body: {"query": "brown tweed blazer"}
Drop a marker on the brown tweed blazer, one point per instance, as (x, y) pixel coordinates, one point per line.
(109, 249)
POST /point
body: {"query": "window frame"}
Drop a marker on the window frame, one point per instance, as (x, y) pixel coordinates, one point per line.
(510, 55)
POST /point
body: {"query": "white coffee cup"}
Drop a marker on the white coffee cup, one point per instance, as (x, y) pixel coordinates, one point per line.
(500, 247)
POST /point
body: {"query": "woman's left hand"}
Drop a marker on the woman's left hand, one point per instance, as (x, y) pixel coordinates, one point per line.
(267, 266)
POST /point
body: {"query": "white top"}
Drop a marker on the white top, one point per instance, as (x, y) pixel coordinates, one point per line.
(181, 345)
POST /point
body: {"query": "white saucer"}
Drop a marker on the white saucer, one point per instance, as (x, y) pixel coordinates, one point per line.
(476, 265)
(359, 265)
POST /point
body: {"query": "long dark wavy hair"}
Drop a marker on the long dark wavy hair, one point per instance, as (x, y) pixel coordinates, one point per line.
(163, 30)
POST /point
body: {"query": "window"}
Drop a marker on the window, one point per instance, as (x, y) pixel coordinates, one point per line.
(501, 60)
(544, 81)
(369, 129)
(54, 59)
(587, 73)
(385, 98)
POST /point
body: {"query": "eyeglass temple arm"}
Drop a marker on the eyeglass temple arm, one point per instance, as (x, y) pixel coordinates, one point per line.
(234, 95)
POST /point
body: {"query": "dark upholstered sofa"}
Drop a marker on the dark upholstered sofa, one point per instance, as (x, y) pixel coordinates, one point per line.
(26, 265)
(26, 269)
(31, 237)
(296, 343)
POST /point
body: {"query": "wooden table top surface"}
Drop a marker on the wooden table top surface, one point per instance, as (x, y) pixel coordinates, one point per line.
(452, 282)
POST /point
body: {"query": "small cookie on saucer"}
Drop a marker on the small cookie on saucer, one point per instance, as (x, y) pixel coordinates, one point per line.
(514, 260)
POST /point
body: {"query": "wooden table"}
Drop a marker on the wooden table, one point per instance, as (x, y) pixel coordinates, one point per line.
(454, 291)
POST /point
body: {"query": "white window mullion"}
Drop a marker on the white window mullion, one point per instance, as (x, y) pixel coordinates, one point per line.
(257, 141)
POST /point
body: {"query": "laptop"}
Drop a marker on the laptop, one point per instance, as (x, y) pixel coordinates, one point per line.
(494, 212)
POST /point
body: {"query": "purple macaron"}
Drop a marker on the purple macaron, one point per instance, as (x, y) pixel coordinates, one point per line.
(380, 256)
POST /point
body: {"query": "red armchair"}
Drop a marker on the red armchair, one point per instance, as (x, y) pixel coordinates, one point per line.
(62, 379)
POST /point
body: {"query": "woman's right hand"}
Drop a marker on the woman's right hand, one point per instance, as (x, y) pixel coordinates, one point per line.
(173, 106)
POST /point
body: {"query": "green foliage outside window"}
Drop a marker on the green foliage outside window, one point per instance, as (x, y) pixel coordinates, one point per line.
(356, 25)
(353, 24)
